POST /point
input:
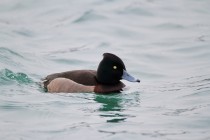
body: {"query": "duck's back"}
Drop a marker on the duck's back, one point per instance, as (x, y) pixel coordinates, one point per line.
(84, 77)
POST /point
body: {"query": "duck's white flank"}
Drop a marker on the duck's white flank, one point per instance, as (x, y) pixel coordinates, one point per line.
(67, 86)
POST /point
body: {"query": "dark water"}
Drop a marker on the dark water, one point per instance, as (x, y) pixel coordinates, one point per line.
(166, 44)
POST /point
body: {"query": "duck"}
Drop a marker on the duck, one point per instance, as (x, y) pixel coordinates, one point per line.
(107, 79)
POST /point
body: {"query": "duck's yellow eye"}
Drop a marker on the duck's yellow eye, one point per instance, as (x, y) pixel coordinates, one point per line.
(115, 67)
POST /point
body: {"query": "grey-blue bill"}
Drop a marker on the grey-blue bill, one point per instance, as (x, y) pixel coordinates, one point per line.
(128, 77)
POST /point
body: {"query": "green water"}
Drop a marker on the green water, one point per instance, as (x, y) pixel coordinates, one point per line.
(166, 44)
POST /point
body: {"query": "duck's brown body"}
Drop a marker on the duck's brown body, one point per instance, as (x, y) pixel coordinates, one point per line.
(78, 81)
(84, 77)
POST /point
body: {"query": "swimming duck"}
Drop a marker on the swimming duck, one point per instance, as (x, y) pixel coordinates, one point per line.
(106, 79)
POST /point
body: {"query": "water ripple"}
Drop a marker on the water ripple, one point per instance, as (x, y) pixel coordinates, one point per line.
(10, 58)
(89, 15)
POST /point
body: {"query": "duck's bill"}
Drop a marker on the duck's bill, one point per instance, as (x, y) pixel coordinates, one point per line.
(128, 77)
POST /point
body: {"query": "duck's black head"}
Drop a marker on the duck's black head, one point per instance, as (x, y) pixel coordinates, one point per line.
(112, 69)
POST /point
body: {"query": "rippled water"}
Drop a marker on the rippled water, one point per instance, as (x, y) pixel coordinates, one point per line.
(165, 43)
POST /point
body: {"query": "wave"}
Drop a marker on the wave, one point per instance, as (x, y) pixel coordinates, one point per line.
(8, 77)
